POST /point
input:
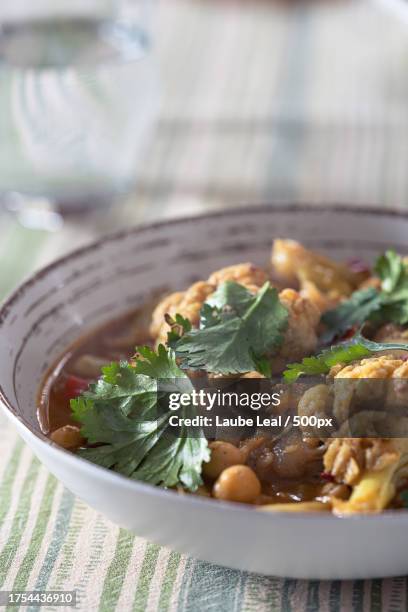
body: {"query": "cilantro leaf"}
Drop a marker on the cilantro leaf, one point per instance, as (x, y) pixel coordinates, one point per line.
(233, 296)
(393, 272)
(178, 326)
(120, 414)
(209, 316)
(345, 352)
(122, 387)
(388, 305)
(355, 311)
(160, 364)
(238, 331)
(321, 364)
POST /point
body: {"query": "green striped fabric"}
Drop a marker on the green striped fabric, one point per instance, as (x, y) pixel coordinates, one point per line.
(258, 104)
(50, 540)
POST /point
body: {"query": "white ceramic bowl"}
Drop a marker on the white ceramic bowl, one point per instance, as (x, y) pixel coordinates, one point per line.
(109, 277)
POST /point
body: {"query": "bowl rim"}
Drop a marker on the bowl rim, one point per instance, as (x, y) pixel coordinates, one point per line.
(145, 488)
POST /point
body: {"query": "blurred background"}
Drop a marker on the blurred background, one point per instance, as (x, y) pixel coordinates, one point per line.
(115, 112)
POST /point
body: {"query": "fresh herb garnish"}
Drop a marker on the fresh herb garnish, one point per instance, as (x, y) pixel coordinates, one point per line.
(393, 272)
(354, 311)
(119, 414)
(344, 353)
(178, 327)
(238, 331)
(390, 304)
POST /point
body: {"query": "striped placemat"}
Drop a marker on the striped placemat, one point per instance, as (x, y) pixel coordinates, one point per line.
(258, 104)
(52, 541)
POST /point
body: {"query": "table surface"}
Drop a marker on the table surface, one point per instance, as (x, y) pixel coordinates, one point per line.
(259, 105)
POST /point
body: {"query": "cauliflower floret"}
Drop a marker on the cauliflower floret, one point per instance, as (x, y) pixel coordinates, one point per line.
(300, 337)
(347, 459)
(364, 398)
(375, 467)
(323, 281)
(188, 303)
(246, 274)
(384, 366)
(401, 371)
(377, 382)
(301, 334)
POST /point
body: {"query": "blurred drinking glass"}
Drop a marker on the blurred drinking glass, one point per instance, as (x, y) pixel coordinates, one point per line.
(78, 95)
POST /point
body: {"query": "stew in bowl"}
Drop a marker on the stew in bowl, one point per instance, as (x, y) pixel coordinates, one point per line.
(301, 313)
(311, 490)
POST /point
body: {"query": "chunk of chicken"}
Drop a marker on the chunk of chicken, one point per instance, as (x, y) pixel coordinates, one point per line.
(301, 334)
(323, 281)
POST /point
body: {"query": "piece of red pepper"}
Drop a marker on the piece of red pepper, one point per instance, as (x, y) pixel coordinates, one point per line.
(349, 333)
(75, 386)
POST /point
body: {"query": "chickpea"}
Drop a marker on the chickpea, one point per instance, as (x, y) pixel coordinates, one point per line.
(237, 483)
(223, 455)
(68, 437)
